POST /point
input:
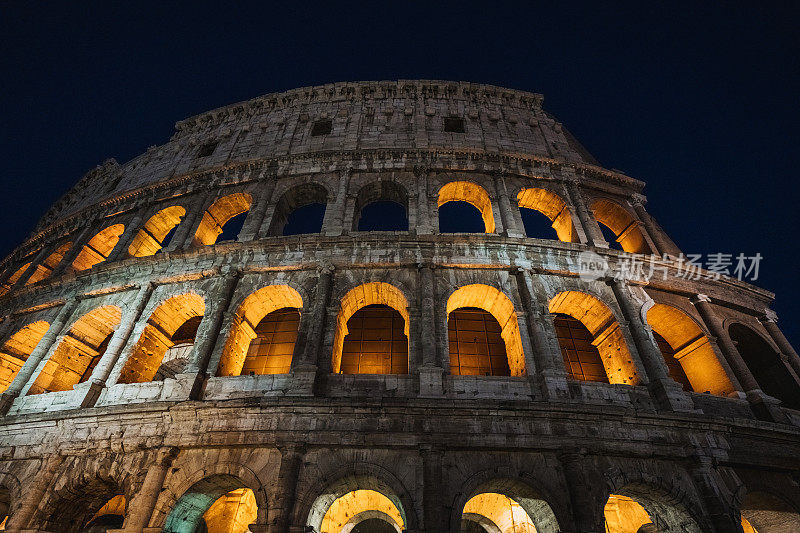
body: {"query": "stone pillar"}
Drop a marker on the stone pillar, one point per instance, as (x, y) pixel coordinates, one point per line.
(594, 237)
(288, 473)
(510, 228)
(209, 333)
(667, 394)
(433, 500)
(716, 498)
(335, 213)
(550, 373)
(77, 246)
(763, 406)
(572, 462)
(305, 369)
(661, 244)
(256, 225)
(184, 234)
(118, 341)
(36, 261)
(54, 332)
(770, 321)
(120, 250)
(424, 225)
(431, 373)
(19, 520)
(143, 502)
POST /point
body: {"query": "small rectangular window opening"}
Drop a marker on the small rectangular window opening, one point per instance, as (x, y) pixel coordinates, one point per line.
(321, 127)
(207, 149)
(454, 124)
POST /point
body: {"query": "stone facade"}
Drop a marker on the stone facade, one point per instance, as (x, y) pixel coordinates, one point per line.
(87, 285)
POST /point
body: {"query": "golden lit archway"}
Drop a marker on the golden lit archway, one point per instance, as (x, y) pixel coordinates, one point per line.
(551, 206)
(475, 195)
(374, 293)
(503, 514)
(692, 349)
(110, 516)
(638, 507)
(98, 248)
(606, 334)
(13, 278)
(243, 329)
(218, 503)
(624, 515)
(46, 267)
(150, 238)
(159, 343)
(619, 220)
(79, 351)
(358, 506)
(17, 348)
(218, 214)
(502, 309)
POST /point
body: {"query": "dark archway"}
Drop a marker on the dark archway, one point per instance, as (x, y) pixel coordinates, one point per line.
(299, 211)
(381, 206)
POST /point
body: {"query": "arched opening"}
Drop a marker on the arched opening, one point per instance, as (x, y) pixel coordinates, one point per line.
(476, 345)
(218, 503)
(17, 348)
(378, 341)
(766, 365)
(166, 344)
(381, 206)
(535, 203)
(357, 504)
(98, 248)
(507, 506)
(496, 304)
(765, 513)
(687, 351)
(625, 229)
(582, 360)
(46, 267)
(110, 516)
(263, 333)
(605, 335)
(79, 351)
(639, 508)
(223, 220)
(13, 278)
(157, 232)
(300, 211)
(459, 219)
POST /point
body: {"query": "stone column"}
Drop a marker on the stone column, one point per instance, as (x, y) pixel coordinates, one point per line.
(667, 394)
(424, 225)
(36, 261)
(184, 234)
(288, 473)
(307, 366)
(716, 498)
(54, 332)
(209, 333)
(590, 226)
(572, 462)
(256, 225)
(335, 213)
(770, 321)
(143, 502)
(118, 341)
(77, 246)
(120, 250)
(763, 406)
(433, 508)
(431, 373)
(662, 246)
(550, 373)
(19, 520)
(510, 228)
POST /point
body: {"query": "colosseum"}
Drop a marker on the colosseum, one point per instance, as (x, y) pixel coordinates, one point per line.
(365, 308)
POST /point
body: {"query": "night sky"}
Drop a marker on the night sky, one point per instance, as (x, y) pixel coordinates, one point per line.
(701, 103)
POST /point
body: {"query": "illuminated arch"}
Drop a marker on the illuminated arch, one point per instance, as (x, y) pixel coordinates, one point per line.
(296, 198)
(381, 191)
(640, 507)
(13, 278)
(551, 206)
(157, 345)
(497, 504)
(499, 512)
(606, 333)
(218, 214)
(475, 195)
(46, 267)
(109, 516)
(17, 348)
(692, 349)
(502, 309)
(243, 329)
(150, 238)
(98, 248)
(619, 220)
(220, 502)
(79, 351)
(367, 294)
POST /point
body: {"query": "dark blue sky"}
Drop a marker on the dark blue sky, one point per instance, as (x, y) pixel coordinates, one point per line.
(699, 102)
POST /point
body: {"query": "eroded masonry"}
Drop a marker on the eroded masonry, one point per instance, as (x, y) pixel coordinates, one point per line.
(262, 326)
